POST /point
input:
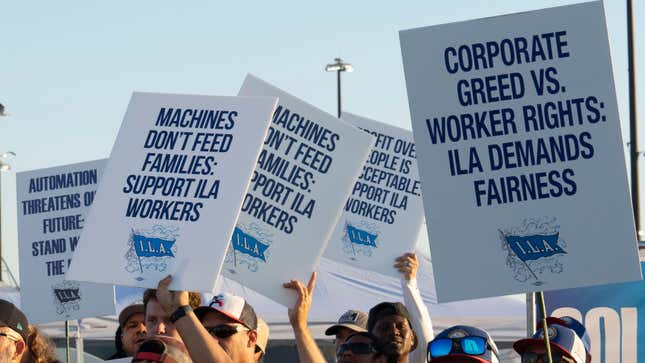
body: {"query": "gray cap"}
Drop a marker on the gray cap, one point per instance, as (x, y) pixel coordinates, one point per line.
(354, 320)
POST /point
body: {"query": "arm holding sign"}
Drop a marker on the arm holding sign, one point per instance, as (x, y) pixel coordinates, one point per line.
(199, 343)
(308, 351)
(408, 265)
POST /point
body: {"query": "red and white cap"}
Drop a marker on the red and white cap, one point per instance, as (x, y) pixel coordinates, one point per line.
(233, 307)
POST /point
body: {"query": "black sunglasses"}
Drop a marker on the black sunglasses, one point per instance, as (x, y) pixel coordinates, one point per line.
(356, 348)
(224, 330)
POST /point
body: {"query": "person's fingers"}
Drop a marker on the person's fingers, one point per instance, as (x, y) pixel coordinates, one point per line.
(290, 285)
(312, 283)
(165, 281)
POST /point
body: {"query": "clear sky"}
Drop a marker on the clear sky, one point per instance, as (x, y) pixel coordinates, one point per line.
(67, 69)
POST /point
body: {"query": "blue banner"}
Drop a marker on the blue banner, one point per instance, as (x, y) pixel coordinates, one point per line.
(361, 237)
(152, 247)
(67, 295)
(534, 247)
(248, 244)
(614, 316)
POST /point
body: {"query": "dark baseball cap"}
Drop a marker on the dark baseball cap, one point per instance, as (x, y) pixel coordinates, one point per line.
(128, 311)
(13, 318)
(386, 309)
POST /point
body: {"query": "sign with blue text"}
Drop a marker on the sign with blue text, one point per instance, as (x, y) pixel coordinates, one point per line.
(383, 215)
(520, 153)
(613, 315)
(52, 208)
(303, 177)
(172, 190)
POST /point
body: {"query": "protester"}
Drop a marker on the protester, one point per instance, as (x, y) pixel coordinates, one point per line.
(158, 321)
(262, 341)
(162, 349)
(408, 265)
(14, 332)
(577, 327)
(390, 323)
(359, 348)
(566, 346)
(228, 333)
(39, 348)
(463, 344)
(308, 351)
(352, 321)
(131, 331)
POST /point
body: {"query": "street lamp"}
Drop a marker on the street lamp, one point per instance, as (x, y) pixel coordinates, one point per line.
(339, 66)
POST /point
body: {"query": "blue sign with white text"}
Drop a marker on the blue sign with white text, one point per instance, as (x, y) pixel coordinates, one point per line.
(152, 247)
(533, 247)
(360, 236)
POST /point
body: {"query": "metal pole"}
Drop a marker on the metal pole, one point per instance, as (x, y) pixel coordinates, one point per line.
(545, 328)
(530, 314)
(338, 84)
(1, 259)
(69, 357)
(633, 121)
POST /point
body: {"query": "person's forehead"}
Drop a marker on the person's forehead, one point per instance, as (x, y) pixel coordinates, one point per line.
(388, 319)
(136, 317)
(215, 318)
(154, 309)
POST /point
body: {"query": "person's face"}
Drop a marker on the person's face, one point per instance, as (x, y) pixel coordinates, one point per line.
(158, 321)
(395, 335)
(350, 357)
(12, 346)
(341, 334)
(133, 333)
(239, 346)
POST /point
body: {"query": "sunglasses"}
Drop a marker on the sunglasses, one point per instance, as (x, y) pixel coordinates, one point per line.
(472, 345)
(224, 330)
(356, 348)
(529, 357)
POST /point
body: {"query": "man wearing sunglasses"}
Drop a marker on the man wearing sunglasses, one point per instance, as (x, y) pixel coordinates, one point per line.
(359, 348)
(14, 330)
(463, 344)
(566, 346)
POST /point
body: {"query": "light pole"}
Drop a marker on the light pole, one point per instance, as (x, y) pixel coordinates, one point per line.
(339, 66)
(4, 166)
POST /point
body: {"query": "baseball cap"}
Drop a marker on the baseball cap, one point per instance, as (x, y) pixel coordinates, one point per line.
(128, 311)
(263, 336)
(456, 334)
(12, 317)
(562, 339)
(355, 320)
(386, 309)
(231, 306)
(577, 327)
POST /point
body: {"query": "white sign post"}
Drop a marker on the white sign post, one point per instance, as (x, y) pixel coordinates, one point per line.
(52, 207)
(382, 217)
(520, 153)
(172, 190)
(303, 176)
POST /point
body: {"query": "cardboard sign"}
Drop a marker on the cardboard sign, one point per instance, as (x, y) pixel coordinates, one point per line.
(612, 315)
(172, 190)
(384, 213)
(520, 153)
(52, 208)
(304, 174)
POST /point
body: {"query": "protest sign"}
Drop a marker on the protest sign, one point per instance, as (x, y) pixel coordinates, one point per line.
(172, 190)
(520, 152)
(382, 217)
(612, 315)
(52, 207)
(303, 177)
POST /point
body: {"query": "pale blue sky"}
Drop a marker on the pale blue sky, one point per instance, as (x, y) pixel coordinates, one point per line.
(67, 69)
